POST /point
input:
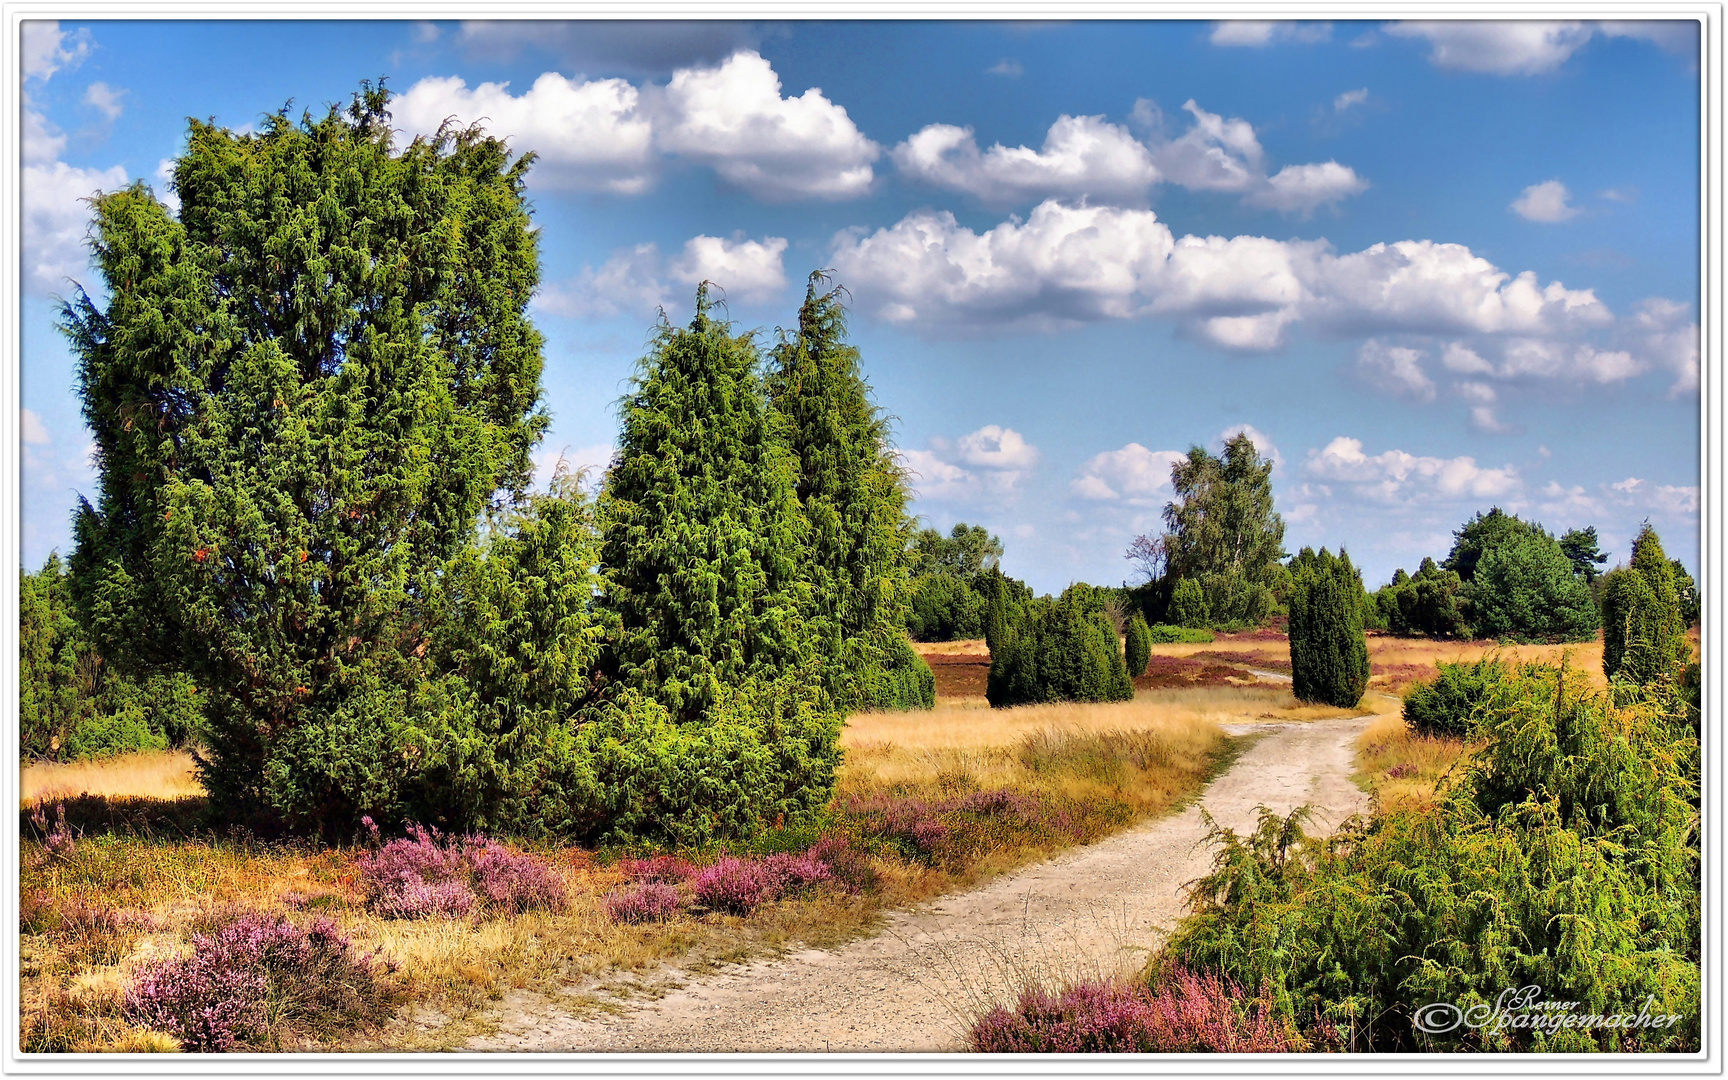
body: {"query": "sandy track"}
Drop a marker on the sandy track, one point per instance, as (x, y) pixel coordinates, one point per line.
(913, 987)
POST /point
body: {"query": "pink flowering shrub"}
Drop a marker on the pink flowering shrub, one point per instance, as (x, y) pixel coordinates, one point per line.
(513, 881)
(647, 901)
(734, 885)
(795, 873)
(247, 980)
(1188, 1014)
(426, 874)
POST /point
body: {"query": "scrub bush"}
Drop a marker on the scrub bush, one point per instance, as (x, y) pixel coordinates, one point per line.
(1447, 705)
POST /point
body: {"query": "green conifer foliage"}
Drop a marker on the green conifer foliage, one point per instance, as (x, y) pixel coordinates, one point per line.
(853, 493)
(1137, 648)
(1045, 650)
(1328, 651)
(1188, 605)
(1643, 629)
(50, 701)
(305, 389)
(703, 535)
(1524, 589)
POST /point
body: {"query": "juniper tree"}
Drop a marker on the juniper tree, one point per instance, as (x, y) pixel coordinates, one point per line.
(853, 494)
(1137, 647)
(1643, 629)
(1328, 651)
(703, 537)
(305, 388)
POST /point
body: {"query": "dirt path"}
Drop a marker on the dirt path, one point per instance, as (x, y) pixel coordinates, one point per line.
(915, 985)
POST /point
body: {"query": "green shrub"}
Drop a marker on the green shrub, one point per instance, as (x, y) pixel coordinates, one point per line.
(1567, 857)
(1188, 605)
(1525, 589)
(1429, 604)
(1328, 652)
(1164, 634)
(766, 755)
(944, 608)
(904, 682)
(107, 734)
(1644, 628)
(1048, 650)
(1137, 648)
(853, 492)
(1448, 705)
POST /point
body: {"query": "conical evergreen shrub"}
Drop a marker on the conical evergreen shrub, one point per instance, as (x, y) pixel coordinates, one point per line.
(1047, 650)
(853, 493)
(703, 538)
(1137, 648)
(1188, 605)
(1643, 629)
(716, 720)
(306, 387)
(1328, 651)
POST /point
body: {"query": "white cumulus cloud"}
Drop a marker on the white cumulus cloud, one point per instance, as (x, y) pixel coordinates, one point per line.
(1349, 98)
(742, 267)
(733, 118)
(589, 135)
(1066, 264)
(1514, 47)
(57, 221)
(1547, 202)
(611, 135)
(637, 280)
(1132, 474)
(105, 99)
(1396, 475)
(1082, 156)
(35, 431)
(1395, 369)
(1499, 48)
(1252, 33)
(986, 465)
(1302, 189)
(48, 48)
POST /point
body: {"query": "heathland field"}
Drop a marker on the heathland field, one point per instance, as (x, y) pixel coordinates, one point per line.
(928, 803)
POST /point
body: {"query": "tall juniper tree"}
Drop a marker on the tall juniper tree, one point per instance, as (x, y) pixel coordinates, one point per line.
(854, 496)
(703, 536)
(1328, 651)
(306, 387)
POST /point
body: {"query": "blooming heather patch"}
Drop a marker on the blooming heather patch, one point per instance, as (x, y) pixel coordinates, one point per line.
(514, 881)
(425, 874)
(647, 901)
(250, 978)
(734, 885)
(1188, 1014)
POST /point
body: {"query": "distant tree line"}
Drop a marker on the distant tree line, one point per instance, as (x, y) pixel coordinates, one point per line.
(1511, 579)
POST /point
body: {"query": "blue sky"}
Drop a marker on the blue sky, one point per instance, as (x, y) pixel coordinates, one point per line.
(1432, 267)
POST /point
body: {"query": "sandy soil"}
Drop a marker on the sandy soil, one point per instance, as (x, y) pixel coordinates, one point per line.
(917, 985)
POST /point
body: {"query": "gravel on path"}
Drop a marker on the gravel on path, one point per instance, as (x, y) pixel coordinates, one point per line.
(917, 985)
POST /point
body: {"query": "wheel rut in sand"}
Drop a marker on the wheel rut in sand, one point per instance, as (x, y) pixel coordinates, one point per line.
(914, 985)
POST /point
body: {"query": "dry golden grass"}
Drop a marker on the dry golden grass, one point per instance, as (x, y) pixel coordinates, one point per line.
(1392, 652)
(964, 647)
(1116, 764)
(165, 775)
(1402, 769)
